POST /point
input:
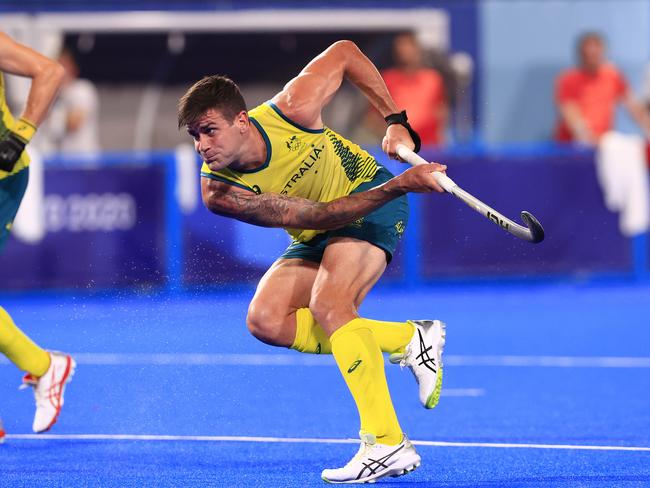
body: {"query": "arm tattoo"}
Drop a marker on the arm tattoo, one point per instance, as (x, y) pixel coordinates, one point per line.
(345, 210)
(274, 210)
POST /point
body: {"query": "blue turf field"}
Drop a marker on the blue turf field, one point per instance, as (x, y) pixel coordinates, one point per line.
(549, 365)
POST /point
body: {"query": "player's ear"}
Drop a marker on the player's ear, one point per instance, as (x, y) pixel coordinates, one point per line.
(242, 121)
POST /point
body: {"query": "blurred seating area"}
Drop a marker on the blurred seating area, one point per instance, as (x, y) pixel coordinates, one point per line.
(132, 222)
(130, 215)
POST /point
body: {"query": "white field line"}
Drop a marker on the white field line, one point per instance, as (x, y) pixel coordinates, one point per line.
(462, 392)
(550, 361)
(289, 359)
(307, 440)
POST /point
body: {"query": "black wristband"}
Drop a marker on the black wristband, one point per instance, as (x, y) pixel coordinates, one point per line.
(11, 148)
(401, 119)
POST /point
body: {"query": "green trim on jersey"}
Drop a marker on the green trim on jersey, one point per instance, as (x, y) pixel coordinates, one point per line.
(212, 176)
(269, 148)
(295, 124)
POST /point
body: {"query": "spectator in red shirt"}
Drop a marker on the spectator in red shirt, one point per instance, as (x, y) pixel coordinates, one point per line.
(417, 89)
(587, 95)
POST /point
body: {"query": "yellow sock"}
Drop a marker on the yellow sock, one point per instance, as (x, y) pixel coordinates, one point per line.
(311, 338)
(391, 336)
(20, 349)
(361, 363)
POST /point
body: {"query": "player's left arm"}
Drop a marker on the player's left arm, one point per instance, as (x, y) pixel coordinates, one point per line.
(274, 210)
(305, 96)
(46, 75)
(638, 112)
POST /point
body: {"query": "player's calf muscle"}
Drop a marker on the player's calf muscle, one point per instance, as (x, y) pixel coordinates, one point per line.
(331, 311)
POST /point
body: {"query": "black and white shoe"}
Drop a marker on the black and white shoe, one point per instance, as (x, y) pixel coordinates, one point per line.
(375, 461)
(423, 356)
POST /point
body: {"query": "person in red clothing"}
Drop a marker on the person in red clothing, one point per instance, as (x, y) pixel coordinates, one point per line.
(417, 89)
(587, 95)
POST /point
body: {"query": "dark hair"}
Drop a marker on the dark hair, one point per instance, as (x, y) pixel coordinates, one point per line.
(211, 92)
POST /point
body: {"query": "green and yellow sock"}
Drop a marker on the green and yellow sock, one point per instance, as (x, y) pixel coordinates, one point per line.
(19, 348)
(311, 338)
(361, 363)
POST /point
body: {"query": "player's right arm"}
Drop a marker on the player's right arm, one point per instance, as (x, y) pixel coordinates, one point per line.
(46, 76)
(274, 210)
(304, 97)
(638, 112)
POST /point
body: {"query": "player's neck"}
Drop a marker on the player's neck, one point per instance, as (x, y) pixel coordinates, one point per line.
(591, 69)
(253, 153)
(410, 69)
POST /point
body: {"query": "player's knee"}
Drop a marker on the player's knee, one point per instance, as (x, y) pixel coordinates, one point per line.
(264, 324)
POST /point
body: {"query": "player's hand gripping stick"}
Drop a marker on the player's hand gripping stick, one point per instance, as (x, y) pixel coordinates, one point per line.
(534, 232)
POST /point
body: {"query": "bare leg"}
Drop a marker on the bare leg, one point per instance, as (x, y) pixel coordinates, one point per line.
(283, 289)
(349, 270)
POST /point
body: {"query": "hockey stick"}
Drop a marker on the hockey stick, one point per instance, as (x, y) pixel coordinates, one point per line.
(534, 232)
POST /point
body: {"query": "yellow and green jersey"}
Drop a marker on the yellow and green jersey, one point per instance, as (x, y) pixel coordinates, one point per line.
(317, 164)
(7, 122)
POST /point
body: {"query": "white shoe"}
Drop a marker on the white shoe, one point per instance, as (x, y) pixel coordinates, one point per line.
(49, 388)
(423, 356)
(375, 461)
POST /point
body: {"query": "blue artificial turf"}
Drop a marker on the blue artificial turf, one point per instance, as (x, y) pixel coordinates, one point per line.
(547, 405)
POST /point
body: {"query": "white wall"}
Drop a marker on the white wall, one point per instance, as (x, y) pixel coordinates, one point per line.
(524, 44)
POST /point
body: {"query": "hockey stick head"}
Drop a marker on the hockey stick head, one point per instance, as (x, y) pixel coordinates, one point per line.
(535, 228)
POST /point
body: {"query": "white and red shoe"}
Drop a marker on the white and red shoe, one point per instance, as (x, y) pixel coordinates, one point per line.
(49, 389)
(2, 432)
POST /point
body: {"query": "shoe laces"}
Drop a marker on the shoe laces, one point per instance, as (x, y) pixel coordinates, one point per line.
(46, 398)
(407, 353)
(29, 380)
(368, 441)
(363, 451)
(406, 363)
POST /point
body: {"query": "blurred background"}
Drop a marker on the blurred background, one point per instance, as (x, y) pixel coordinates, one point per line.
(114, 199)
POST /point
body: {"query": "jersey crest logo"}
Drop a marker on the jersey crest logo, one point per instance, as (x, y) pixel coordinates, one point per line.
(294, 144)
